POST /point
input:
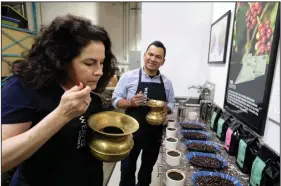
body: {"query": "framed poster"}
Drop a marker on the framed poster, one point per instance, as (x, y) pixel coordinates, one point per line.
(252, 60)
(219, 39)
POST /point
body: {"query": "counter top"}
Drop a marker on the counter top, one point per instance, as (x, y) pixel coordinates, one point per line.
(188, 169)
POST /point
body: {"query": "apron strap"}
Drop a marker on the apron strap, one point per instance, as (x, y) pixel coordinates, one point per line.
(139, 82)
(162, 82)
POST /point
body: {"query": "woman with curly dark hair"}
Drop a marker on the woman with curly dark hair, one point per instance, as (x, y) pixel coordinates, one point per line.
(46, 103)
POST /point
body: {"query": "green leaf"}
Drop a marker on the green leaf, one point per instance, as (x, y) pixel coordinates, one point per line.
(267, 59)
(248, 45)
(241, 27)
(273, 15)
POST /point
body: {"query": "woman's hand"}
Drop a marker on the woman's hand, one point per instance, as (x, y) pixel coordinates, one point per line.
(74, 102)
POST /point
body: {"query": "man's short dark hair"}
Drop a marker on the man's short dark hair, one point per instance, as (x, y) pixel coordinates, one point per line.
(158, 44)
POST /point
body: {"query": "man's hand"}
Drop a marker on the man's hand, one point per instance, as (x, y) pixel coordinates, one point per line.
(166, 110)
(137, 100)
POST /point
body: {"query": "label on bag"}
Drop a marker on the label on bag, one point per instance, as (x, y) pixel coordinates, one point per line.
(256, 173)
(214, 115)
(219, 128)
(228, 138)
(241, 153)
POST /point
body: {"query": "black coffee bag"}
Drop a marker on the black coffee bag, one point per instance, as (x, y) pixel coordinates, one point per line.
(233, 135)
(265, 168)
(248, 149)
(271, 173)
(215, 117)
(223, 124)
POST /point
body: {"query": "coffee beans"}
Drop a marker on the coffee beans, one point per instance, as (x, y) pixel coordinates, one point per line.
(171, 129)
(173, 153)
(175, 176)
(206, 162)
(200, 147)
(213, 181)
(194, 135)
(192, 126)
(171, 140)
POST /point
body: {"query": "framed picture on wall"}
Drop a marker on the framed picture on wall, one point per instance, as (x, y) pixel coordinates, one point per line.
(253, 54)
(219, 39)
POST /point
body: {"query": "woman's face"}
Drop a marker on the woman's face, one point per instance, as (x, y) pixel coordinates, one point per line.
(87, 68)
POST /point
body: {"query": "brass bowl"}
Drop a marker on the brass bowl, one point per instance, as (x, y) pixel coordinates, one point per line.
(152, 103)
(155, 115)
(112, 137)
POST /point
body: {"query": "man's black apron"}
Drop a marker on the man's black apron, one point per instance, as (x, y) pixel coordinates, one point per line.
(147, 138)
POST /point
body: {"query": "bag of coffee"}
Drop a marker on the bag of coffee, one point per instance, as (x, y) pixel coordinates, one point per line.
(248, 149)
(261, 163)
(215, 117)
(205, 109)
(209, 112)
(223, 124)
(271, 173)
(233, 135)
(212, 114)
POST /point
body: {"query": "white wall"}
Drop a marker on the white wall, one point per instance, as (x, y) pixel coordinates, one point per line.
(124, 32)
(110, 14)
(52, 10)
(218, 74)
(121, 20)
(272, 129)
(184, 29)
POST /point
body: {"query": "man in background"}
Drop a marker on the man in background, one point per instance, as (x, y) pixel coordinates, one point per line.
(131, 93)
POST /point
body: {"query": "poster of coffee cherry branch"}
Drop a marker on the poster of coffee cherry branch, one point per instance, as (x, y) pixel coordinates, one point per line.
(254, 27)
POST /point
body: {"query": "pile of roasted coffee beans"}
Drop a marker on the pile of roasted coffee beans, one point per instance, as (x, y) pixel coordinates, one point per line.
(194, 136)
(201, 147)
(192, 126)
(206, 162)
(213, 181)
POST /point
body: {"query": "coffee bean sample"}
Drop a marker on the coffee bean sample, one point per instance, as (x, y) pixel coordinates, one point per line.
(175, 176)
(192, 126)
(213, 181)
(206, 162)
(171, 140)
(194, 135)
(201, 147)
(173, 153)
(171, 129)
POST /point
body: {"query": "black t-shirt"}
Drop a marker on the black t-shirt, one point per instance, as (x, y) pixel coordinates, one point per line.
(64, 159)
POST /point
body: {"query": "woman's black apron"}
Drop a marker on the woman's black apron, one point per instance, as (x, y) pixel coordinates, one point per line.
(65, 159)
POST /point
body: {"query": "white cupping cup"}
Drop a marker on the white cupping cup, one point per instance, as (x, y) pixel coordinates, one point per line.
(171, 143)
(172, 123)
(173, 157)
(175, 177)
(192, 115)
(171, 132)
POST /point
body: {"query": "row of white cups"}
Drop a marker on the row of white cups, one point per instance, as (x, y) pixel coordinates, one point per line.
(171, 143)
(173, 156)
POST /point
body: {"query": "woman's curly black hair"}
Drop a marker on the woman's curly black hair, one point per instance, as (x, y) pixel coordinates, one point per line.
(56, 46)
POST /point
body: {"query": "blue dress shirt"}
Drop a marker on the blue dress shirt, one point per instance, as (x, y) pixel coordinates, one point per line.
(128, 83)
